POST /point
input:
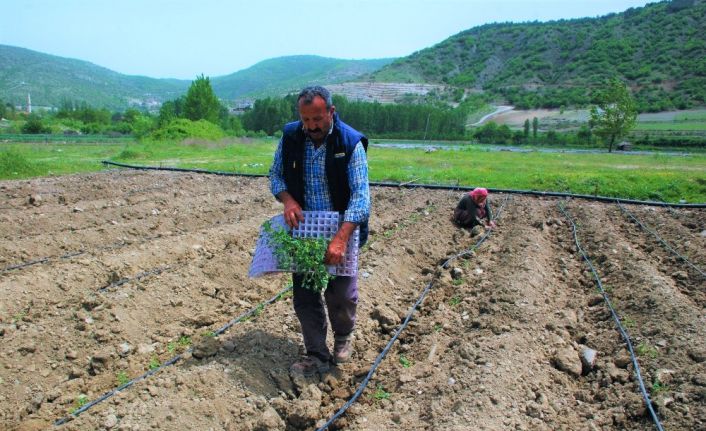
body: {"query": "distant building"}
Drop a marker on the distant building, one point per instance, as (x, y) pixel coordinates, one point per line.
(241, 106)
(624, 146)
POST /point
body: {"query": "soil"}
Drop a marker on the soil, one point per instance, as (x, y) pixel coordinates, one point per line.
(127, 264)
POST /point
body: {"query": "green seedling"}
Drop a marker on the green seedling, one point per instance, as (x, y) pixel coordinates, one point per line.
(644, 349)
(457, 281)
(406, 363)
(258, 310)
(306, 255)
(629, 322)
(285, 295)
(183, 342)
(122, 378)
(208, 334)
(19, 316)
(154, 363)
(658, 387)
(81, 401)
(454, 301)
(381, 393)
(438, 327)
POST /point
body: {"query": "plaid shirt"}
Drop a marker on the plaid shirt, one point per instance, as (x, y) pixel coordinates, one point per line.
(316, 192)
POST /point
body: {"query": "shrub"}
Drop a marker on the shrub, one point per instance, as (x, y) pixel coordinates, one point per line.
(35, 126)
(182, 128)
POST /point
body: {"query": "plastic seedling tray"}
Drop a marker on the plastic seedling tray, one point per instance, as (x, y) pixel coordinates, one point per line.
(316, 224)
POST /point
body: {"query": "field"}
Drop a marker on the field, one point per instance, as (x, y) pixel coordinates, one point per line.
(651, 176)
(693, 120)
(124, 270)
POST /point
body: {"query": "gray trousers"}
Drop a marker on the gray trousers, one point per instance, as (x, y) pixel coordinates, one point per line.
(341, 301)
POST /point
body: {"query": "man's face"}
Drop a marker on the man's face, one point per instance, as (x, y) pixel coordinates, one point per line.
(316, 118)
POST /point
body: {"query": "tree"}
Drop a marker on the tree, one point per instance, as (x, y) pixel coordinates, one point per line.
(615, 114)
(535, 126)
(201, 102)
(35, 125)
(527, 129)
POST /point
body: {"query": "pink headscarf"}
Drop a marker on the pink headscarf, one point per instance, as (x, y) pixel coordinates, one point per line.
(478, 193)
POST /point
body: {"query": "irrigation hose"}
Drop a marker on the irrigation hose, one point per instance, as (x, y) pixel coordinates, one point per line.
(42, 260)
(171, 361)
(137, 277)
(621, 329)
(667, 246)
(388, 346)
(431, 186)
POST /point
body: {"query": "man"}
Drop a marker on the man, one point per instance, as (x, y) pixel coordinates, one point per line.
(320, 165)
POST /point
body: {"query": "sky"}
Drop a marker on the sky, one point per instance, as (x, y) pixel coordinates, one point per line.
(183, 39)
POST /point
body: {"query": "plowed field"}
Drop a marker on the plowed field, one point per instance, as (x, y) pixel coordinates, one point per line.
(123, 270)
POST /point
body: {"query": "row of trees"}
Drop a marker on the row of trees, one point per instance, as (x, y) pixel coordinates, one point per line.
(200, 113)
(412, 121)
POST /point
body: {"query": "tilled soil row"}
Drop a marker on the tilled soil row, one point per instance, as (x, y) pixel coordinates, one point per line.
(81, 338)
(522, 307)
(255, 356)
(100, 222)
(682, 247)
(127, 319)
(663, 318)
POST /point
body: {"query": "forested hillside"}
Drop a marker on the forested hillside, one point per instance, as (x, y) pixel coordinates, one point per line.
(278, 76)
(51, 80)
(659, 49)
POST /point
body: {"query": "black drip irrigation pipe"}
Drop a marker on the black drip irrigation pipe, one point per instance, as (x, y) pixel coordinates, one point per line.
(664, 243)
(171, 361)
(42, 260)
(432, 186)
(198, 171)
(137, 277)
(399, 330)
(621, 329)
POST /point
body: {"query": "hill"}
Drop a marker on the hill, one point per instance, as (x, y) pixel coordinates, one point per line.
(659, 49)
(50, 80)
(282, 75)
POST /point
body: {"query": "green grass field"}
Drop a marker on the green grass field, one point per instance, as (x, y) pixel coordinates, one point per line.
(651, 177)
(673, 126)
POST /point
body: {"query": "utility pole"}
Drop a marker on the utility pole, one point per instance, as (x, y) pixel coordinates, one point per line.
(427, 127)
(29, 104)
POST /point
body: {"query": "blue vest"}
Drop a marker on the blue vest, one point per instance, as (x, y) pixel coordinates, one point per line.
(342, 139)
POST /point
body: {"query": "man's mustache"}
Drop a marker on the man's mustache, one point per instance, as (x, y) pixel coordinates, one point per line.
(317, 130)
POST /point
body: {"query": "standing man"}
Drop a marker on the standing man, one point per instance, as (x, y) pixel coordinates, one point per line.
(320, 165)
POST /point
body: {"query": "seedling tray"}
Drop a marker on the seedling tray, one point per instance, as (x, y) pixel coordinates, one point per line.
(316, 224)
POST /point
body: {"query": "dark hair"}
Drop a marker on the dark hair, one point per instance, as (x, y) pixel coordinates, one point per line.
(308, 94)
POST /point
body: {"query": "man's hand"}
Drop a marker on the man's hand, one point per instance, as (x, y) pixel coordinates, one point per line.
(292, 211)
(490, 224)
(336, 251)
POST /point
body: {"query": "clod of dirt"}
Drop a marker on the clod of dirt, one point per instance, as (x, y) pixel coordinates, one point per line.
(387, 318)
(35, 200)
(566, 359)
(269, 420)
(205, 347)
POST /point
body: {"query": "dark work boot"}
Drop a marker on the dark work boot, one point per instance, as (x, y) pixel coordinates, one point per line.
(342, 348)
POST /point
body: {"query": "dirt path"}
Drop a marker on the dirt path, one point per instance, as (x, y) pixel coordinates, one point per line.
(140, 266)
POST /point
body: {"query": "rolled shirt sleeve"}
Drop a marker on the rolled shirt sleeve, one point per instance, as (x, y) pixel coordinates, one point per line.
(359, 204)
(277, 184)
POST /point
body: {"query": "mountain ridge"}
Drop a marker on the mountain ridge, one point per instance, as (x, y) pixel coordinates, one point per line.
(51, 79)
